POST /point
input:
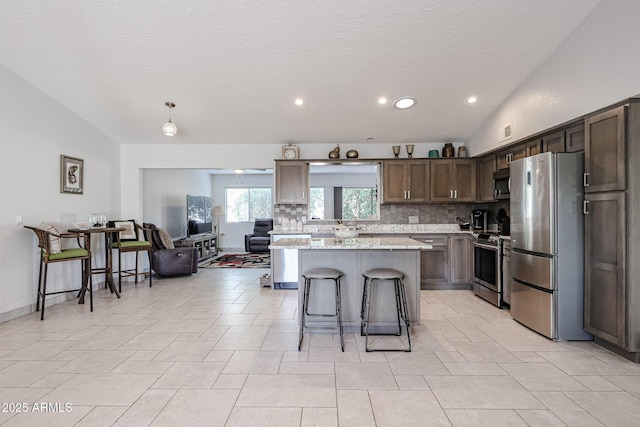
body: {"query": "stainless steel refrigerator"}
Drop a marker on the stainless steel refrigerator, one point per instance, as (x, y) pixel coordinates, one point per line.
(547, 239)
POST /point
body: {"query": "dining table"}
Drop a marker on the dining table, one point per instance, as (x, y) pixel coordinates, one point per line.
(110, 233)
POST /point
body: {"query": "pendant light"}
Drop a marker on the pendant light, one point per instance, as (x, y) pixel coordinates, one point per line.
(169, 128)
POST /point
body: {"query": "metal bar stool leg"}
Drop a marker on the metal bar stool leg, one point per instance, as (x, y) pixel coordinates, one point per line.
(396, 289)
(44, 290)
(403, 294)
(136, 271)
(119, 269)
(90, 285)
(150, 269)
(365, 287)
(339, 311)
(368, 314)
(305, 299)
(39, 285)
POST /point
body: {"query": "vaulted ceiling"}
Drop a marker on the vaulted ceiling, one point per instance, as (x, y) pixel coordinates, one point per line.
(234, 67)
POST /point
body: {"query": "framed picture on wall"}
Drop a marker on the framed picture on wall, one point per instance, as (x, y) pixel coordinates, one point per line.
(71, 175)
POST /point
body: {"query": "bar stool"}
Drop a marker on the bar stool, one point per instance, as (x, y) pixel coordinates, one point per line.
(321, 274)
(372, 277)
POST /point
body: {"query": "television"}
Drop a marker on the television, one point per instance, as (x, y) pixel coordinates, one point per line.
(199, 215)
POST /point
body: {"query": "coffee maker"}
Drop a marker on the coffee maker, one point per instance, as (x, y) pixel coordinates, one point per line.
(504, 228)
(479, 220)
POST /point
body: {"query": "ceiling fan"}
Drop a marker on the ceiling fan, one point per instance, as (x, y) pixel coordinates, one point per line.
(239, 171)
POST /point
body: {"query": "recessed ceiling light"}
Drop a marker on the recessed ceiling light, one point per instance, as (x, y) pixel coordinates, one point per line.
(299, 101)
(472, 99)
(404, 102)
(382, 100)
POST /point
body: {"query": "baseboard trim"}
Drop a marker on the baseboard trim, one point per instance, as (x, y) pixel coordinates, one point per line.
(633, 356)
(49, 301)
(18, 312)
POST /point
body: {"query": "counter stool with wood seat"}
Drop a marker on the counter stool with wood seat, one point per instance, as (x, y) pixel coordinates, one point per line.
(321, 274)
(374, 277)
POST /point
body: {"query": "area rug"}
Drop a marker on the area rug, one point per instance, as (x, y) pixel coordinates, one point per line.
(239, 261)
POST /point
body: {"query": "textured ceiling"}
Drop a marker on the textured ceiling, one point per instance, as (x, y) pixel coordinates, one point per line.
(234, 67)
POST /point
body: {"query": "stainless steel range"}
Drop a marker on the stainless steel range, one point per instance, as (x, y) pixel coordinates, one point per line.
(487, 277)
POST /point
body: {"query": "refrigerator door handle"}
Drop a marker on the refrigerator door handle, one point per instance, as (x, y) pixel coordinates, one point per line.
(585, 207)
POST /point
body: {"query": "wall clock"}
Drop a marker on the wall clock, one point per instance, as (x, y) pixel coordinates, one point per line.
(290, 152)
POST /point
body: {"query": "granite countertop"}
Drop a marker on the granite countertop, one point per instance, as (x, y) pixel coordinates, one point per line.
(357, 243)
(375, 228)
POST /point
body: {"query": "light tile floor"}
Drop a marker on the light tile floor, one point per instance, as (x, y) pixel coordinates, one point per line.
(217, 349)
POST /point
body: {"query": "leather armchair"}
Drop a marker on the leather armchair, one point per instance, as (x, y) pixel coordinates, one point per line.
(259, 240)
(167, 261)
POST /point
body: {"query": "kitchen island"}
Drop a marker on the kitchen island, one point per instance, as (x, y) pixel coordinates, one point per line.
(447, 265)
(353, 257)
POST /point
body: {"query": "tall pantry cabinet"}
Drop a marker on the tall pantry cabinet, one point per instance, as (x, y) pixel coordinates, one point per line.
(612, 241)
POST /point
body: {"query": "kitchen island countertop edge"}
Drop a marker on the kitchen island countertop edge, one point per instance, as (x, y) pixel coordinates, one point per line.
(355, 243)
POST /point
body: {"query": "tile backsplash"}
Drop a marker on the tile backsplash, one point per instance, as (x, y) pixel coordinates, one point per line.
(433, 213)
(290, 211)
(437, 213)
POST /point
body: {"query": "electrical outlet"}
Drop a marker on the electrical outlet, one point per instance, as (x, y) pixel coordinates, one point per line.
(414, 219)
(18, 220)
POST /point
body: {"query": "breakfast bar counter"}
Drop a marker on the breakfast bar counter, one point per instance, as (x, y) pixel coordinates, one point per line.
(353, 257)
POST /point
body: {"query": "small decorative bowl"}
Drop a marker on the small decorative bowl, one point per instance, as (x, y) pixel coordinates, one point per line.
(82, 225)
(346, 232)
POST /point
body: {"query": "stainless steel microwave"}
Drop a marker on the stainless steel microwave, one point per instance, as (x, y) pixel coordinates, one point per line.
(501, 184)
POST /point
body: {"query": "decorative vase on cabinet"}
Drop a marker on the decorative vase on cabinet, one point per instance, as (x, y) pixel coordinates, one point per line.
(448, 150)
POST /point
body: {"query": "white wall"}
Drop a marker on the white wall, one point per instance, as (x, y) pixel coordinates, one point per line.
(597, 65)
(232, 238)
(165, 196)
(35, 132)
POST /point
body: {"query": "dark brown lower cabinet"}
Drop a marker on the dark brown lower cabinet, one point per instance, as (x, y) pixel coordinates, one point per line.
(448, 264)
(605, 309)
(434, 263)
(460, 258)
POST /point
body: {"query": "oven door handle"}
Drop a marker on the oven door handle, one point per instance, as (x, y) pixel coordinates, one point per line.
(483, 246)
